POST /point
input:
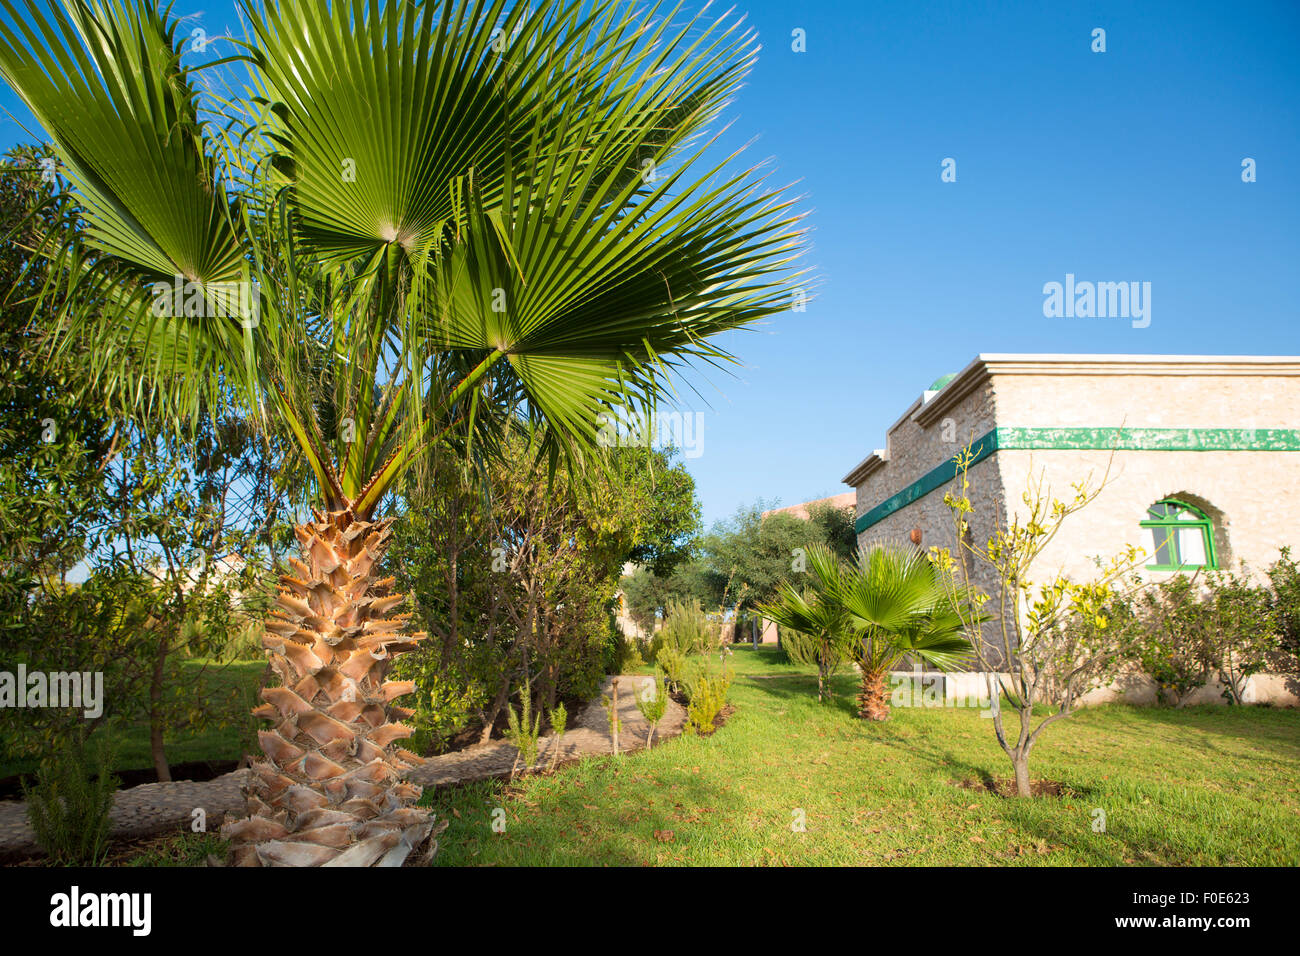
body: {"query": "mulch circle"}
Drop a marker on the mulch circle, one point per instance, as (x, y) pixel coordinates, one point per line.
(1006, 787)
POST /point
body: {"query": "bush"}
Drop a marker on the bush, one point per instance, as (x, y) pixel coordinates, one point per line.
(652, 702)
(687, 630)
(523, 729)
(708, 695)
(69, 806)
(1189, 633)
(1284, 576)
(674, 665)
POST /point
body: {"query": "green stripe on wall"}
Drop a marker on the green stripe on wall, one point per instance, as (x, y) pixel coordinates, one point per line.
(1120, 439)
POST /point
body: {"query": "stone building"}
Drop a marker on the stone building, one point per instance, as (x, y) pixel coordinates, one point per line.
(1200, 454)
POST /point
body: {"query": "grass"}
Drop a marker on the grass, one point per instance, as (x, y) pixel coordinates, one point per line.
(235, 683)
(1200, 786)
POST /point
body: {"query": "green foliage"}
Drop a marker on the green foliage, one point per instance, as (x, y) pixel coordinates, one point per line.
(54, 432)
(674, 665)
(1284, 577)
(686, 630)
(69, 805)
(513, 562)
(444, 704)
(837, 529)
(747, 557)
(652, 702)
(622, 653)
(523, 729)
(559, 720)
(707, 692)
(1186, 632)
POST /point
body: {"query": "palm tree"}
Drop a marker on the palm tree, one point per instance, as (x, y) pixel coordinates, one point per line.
(900, 605)
(393, 226)
(817, 625)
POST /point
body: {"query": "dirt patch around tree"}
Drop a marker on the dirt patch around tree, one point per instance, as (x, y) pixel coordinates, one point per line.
(1006, 787)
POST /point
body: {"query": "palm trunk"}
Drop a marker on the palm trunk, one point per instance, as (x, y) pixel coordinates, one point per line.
(329, 791)
(873, 700)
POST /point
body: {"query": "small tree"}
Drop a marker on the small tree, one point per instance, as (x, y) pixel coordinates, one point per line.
(1053, 641)
(652, 701)
(559, 719)
(523, 729)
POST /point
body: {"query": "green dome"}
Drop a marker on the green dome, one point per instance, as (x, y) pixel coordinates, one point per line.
(941, 382)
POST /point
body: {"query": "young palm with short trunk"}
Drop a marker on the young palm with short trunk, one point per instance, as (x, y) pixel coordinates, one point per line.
(888, 603)
(900, 605)
(416, 225)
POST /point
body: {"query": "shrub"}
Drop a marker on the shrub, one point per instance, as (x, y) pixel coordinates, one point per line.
(1284, 576)
(708, 695)
(1188, 634)
(652, 701)
(69, 806)
(559, 720)
(687, 629)
(674, 665)
(522, 729)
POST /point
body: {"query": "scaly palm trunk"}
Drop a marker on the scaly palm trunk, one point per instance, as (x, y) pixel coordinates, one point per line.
(873, 699)
(330, 791)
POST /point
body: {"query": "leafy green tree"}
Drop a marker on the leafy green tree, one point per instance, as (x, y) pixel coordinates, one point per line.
(419, 223)
(513, 576)
(55, 435)
(837, 528)
(1190, 632)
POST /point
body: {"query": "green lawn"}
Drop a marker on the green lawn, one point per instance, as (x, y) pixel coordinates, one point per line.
(1202, 786)
(234, 685)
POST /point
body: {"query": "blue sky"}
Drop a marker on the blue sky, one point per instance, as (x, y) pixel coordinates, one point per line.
(1115, 166)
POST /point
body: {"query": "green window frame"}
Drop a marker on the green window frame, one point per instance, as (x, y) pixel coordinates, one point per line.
(1182, 537)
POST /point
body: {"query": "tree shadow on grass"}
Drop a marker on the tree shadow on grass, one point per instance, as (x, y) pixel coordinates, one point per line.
(795, 688)
(579, 821)
(1276, 726)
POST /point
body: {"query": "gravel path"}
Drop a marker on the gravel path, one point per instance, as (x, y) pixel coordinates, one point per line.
(154, 808)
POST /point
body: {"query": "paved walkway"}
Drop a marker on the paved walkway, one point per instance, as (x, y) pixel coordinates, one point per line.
(154, 808)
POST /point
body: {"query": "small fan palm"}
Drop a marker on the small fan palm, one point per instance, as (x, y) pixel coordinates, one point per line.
(899, 605)
(817, 625)
(399, 224)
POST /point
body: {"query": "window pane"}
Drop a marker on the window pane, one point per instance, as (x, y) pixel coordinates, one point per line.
(1163, 548)
(1191, 545)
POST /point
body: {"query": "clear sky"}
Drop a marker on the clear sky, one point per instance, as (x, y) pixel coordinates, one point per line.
(1117, 166)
